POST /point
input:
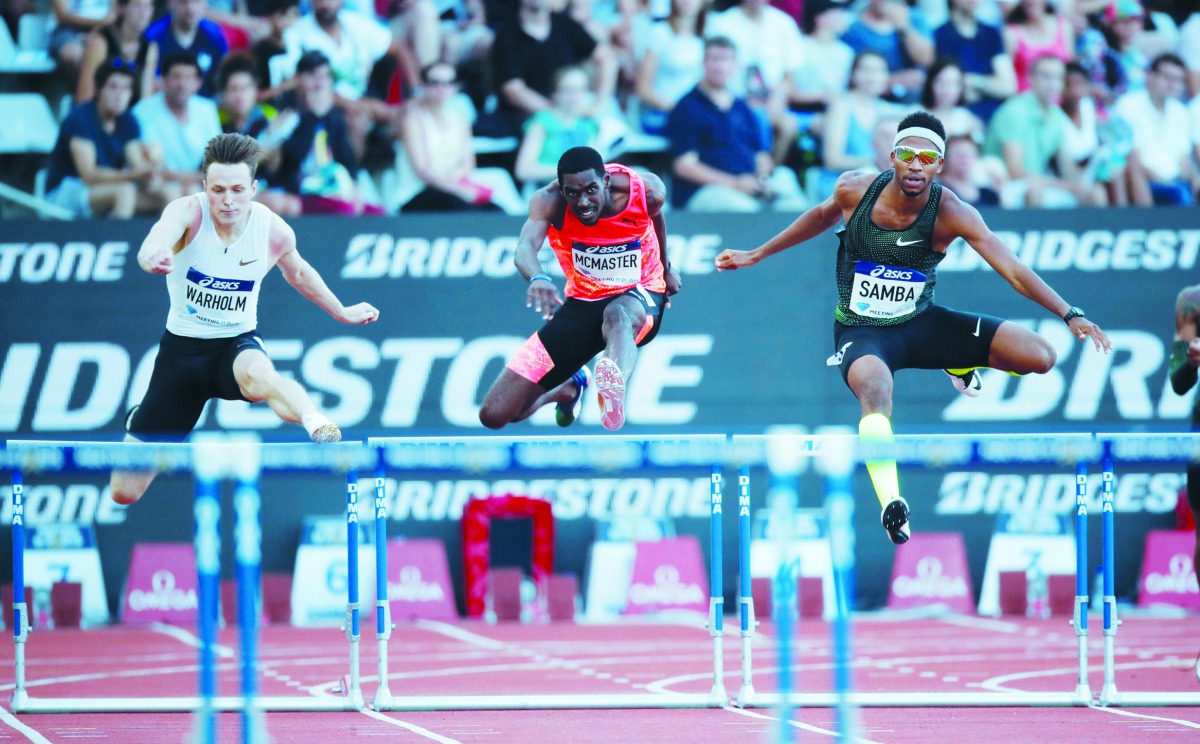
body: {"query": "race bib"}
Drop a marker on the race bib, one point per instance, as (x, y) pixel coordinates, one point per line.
(882, 291)
(619, 265)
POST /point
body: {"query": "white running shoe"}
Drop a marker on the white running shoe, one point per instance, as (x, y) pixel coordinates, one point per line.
(327, 433)
(969, 384)
(610, 387)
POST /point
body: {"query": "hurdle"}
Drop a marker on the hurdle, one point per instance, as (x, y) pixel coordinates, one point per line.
(837, 454)
(211, 459)
(1144, 448)
(520, 453)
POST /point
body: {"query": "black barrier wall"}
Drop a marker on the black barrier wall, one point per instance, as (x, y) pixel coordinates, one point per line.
(739, 351)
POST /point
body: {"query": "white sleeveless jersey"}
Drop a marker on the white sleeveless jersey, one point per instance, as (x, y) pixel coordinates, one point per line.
(214, 288)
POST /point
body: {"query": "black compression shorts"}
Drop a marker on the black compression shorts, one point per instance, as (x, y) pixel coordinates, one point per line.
(187, 374)
(938, 338)
(575, 334)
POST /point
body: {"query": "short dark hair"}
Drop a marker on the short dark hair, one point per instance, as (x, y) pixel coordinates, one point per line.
(231, 149)
(174, 59)
(116, 66)
(925, 120)
(579, 160)
(724, 42)
(1166, 58)
(235, 63)
(312, 60)
(272, 7)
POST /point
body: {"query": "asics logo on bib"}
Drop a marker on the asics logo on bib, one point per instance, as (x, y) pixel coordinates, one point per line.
(224, 285)
(603, 249)
(890, 273)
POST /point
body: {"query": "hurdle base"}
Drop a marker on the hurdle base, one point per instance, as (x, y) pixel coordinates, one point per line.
(746, 696)
(921, 700)
(382, 700)
(1150, 699)
(1083, 694)
(18, 701)
(182, 705)
(547, 702)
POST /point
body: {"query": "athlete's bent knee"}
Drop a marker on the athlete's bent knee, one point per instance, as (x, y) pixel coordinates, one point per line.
(493, 418)
(1043, 358)
(125, 496)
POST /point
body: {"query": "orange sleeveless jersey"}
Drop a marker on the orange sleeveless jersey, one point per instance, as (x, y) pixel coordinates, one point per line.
(614, 255)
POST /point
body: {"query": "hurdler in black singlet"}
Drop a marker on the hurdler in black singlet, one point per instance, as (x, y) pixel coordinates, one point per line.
(886, 277)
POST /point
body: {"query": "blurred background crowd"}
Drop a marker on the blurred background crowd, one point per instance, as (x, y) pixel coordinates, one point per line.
(386, 106)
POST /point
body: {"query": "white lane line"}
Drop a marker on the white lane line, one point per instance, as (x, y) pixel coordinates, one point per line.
(189, 639)
(11, 721)
(798, 724)
(1131, 714)
(463, 635)
(324, 690)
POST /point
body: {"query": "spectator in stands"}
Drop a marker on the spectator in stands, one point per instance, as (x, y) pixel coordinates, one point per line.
(353, 43)
(852, 117)
(553, 131)
(316, 162)
(944, 94)
(99, 166)
(179, 120)
(276, 60)
(672, 64)
(768, 51)
(961, 173)
(1028, 133)
(528, 54)
(416, 26)
(722, 153)
(241, 113)
(1160, 169)
(124, 39)
(187, 29)
(241, 28)
(1090, 143)
(11, 13)
(1033, 30)
(437, 138)
(978, 48)
(76, 19)
(825, 60)
(1188, 48)
(900, 35)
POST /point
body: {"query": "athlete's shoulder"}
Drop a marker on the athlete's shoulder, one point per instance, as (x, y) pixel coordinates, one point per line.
(851, 186)
(547, 202)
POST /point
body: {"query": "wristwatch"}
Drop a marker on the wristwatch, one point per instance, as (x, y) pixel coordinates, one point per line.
(1074, 312)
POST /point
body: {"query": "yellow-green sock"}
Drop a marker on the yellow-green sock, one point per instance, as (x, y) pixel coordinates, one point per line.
(964, 370)
(876, 427)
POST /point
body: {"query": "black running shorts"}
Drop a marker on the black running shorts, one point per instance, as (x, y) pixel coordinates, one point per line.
(938, 338)
(187, 374)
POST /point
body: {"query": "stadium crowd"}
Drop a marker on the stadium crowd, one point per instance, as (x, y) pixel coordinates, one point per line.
(379, 106)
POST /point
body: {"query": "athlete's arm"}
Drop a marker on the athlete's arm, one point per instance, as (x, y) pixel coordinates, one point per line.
(541, 295)
(167, 236)
(1185, 350)
(656, 195)
(812, 223)
(958, 218)
(301, 275)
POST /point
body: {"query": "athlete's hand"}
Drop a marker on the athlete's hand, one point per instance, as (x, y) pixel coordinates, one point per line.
(1081, 327)
(160, 262)
(543, 297)
(732, 260)
(673, 280)
(359, 314)
(1193, 352)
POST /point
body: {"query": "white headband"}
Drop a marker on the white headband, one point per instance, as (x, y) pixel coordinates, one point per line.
(928, 134)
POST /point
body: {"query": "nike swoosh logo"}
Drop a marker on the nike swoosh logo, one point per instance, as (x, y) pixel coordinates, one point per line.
(977, 322)
(907, 242)
(246, 263)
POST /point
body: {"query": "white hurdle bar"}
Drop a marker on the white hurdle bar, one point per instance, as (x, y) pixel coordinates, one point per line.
(219, 457)
(590, 452)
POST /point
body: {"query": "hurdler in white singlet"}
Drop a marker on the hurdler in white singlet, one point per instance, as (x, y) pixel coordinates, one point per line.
(213, 287)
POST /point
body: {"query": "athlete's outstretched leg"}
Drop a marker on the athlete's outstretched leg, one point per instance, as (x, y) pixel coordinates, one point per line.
(127, 486)
(871, 380)
(514, 398)
(259, 381)
(624, 319)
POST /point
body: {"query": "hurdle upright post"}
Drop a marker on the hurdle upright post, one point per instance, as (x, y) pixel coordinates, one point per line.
(210, 465)
(247, 545)
(785, 462)
(1083, 692)
(717, 697)
(745, 587)
(837, 460)
(1108, 693)
(383, 608)
(351, 628)
(20, 696)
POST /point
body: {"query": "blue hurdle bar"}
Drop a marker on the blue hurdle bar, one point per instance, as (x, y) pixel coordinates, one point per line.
(20, 615)
(247, 544)
(838, 464)
(354, 693)
(1083, 691)
(716, 603)
(745, 587)
(383, 608)
(207, 512)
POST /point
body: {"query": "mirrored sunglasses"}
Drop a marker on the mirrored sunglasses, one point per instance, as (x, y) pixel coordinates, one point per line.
(905, 154)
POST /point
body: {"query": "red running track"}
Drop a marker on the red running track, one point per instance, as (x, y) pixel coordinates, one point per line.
(938, 654)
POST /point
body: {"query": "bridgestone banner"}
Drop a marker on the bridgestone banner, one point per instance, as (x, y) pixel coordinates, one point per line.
(738, 352)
